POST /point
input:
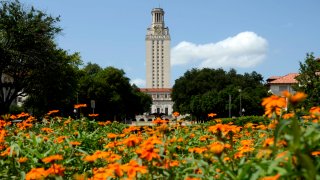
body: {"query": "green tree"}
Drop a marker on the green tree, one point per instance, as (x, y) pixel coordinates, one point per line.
(56, 88)
(200, 92)
(30, 57)
(115, 97)
(309, 80)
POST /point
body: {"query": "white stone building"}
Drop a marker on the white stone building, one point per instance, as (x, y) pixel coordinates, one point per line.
(278, 84)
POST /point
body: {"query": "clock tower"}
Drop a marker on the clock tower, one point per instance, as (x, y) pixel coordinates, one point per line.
(158, 52)
(158, 65)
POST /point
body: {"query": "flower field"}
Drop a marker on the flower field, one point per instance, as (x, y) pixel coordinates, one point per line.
(284, 146)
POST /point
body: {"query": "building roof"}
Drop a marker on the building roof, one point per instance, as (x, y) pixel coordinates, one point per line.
(287, 79)
(273, 78)
(155, 89)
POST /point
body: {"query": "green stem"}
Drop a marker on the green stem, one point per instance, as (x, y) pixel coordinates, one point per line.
(226, 168)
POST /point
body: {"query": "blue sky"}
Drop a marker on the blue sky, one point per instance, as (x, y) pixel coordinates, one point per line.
(269, 37)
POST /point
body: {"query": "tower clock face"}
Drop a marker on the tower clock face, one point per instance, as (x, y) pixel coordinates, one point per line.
(157, 29)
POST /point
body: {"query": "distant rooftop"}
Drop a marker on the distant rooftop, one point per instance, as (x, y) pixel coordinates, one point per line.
(287, 79)
(155, 89)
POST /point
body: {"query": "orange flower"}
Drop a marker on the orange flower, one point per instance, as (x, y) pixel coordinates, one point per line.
(288, 115)
(283, 155)
(192, 178)
(132, 168)
(275, 177)
(132, 140)
(52, 112)
(36, 173)
(56, 169)
(104, 123)
(238, 155)
(244, 149)
(197, 150)
(212, 115)
(75, 143)
(117, 168)
(22, 159)
(93, 115)
(226, 159)
(315, 112)
(268, 142)
(47, 130)
(60, 139)
(113, 158)
(315, 153)
(52, 158)
(273, 104)
(216, 148)
(112, 144)
(102, 173)
(147, 150)
(159, 121)
(6, 152)
(176, 114)
(224, 129)
(148, 154)
(297, 97)
(112, 135)
(77, 106)
(23, 114)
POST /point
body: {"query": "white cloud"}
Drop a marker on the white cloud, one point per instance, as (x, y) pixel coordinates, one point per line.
(244, 50)
(139, 82)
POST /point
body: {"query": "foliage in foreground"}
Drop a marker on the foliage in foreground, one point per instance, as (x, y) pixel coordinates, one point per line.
(287, 147)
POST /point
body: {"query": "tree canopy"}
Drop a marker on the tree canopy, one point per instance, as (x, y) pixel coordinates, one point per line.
(309, 80)
(114, 96)
(27, 50)
(199, 92)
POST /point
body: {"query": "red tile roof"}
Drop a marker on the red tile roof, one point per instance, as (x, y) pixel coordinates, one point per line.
(274, 77)
(155, 89)
(287, 79)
